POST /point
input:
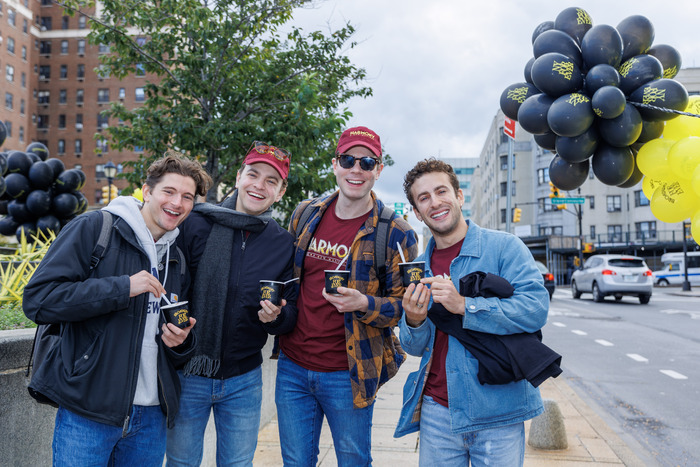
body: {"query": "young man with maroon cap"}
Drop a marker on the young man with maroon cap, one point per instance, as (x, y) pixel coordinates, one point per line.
(237, 244)
(343, 347)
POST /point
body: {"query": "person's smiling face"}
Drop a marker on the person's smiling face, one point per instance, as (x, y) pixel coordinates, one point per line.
(259, 187)
(355, 183)
(168, 203)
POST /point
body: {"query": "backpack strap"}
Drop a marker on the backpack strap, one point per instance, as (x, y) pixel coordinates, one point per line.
(381, 244)
(304, 218)
(103, 239)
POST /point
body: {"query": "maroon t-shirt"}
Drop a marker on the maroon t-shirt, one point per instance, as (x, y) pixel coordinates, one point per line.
(436, 386)
(318, 341)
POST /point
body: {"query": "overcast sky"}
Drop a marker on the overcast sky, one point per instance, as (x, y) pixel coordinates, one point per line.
(438, 67)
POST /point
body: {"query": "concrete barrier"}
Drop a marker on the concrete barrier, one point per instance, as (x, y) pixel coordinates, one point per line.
(26, 427)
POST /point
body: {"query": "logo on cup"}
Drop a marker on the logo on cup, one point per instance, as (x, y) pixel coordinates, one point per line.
(266, 292)
(181, 316)
(336, 281)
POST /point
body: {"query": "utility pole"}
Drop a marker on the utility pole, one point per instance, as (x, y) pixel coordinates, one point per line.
(686, 283)
(580, 230)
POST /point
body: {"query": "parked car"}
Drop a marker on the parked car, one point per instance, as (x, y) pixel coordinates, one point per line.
(615, 275)
(548, 278)
(673, 272)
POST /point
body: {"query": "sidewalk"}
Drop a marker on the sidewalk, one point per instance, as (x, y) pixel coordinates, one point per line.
(591, 441)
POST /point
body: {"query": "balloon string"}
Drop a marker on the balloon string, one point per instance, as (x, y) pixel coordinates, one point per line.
(662, 109)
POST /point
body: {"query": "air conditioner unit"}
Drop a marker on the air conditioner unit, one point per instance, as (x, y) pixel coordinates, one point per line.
(79, 126)
(42, 77)
(104, 125)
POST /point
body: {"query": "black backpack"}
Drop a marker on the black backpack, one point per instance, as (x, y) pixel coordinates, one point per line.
(48, 335)
(381, 239)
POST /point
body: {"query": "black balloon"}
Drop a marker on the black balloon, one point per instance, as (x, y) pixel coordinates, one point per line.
(64, 205)
(18, 211)
(669, 58)
(17, 186)
(663, 93)
(8, 225)
(83, 203)
(651, 130)
(577, 148)
(558, 42)
(82, 177)
(68, 181)
(639, 70)
(546, 141)
(3, 163)
(33, 157)
(3, 134)
(28, 229)
(542, 27)
(575, 22)
(602, 45)
(38, 203)
(513, 97)
(556, 74)
(18, 162)
(599, 76)
(612, 165)
(3, 205)
(41, 175)
(39, 149)
(623, 130)
(2, 187)
(635, 178)
(608, 102)
(528, 70)
(48, 223)
(637, 34)
(570, 115)
(532, 114)
(57, 166)
(567, 175)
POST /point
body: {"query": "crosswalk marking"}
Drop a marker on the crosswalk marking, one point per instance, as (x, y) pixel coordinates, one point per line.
(673, 374)
(637, 357)
(579, 333)
(604, 343)
(558, 324)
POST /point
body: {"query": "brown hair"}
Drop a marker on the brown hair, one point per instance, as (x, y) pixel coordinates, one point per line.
(424, 167)
(175, 162)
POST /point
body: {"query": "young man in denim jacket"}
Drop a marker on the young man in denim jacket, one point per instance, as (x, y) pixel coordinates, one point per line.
(461, 420)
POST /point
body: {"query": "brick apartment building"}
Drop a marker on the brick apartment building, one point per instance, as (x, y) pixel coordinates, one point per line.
(54, 92)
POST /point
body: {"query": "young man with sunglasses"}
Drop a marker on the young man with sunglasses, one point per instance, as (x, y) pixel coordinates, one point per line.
(343, 347)
(230, 248)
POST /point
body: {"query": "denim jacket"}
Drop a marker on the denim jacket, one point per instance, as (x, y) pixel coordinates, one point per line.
(474, 406)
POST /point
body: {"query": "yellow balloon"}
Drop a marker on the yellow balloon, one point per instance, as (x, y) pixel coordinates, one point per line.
(673, 202)
(695, 226)
(652, 159)
(684, 126)
(649, 186)
(138, 194)
(695, 180)
(684, 157)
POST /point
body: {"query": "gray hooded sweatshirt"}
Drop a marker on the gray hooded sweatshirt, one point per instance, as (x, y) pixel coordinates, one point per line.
(129, 209)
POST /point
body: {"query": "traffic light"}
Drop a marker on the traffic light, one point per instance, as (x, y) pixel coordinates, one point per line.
(554, 191)
(516, 214)
(561, 206)
(588, 247)
(109, 193)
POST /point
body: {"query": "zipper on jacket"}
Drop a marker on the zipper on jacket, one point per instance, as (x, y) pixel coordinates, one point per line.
(125, 428)
(244, 239)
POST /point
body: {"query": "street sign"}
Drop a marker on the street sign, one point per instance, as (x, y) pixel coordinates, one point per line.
(509, 127)
(577, 200)
(398, 208)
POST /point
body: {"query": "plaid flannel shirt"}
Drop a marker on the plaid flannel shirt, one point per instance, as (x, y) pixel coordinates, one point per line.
(374, 352)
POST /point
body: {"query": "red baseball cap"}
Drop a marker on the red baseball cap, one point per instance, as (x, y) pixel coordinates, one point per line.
(360, 136)
(278, 158)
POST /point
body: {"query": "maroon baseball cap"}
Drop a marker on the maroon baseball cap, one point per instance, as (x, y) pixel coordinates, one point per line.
(360, 136)
(278, 158)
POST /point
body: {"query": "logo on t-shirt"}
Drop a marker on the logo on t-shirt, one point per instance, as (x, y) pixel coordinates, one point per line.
(324, 251)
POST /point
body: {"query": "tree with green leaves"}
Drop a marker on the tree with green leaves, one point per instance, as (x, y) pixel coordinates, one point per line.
(224, 75)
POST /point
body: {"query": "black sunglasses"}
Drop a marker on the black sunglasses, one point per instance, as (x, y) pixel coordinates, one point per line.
(347, 161)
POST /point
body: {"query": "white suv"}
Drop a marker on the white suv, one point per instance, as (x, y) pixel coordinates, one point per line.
(615, 275)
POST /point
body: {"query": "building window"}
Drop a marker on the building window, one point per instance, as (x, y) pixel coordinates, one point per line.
(64, 47)
(11, 45)
(42, 122)
(23, 79)
(645, 230)
(640, 199)
(140, 41)
(62, 96)
(101, 146)
(9, 73)
(79, 122)
(81, 46)
(81, 71)
(591, 202)
(103, 48)
(551, 230)
(25, 25)
(45, 72)
(81, 22)
(139, 95)
(592, 232)
(45, 47)
(62, 121)
(614, 233)
(122, 93)
(8, 127)
(61, 146)
(614, 203)
(8, 101)
(24, 53)
(102, 72)
(21, 134)
(103, 95)
(140, 70)
(64, 22)
(503, 216)
(45, 23)
(79, 96)
(43, 97)
(64, 72)
(21, 106)
(102, 121)
(10, 16)
(78, 146)
(46, 2)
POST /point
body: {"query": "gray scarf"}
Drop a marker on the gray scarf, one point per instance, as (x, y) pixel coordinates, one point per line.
(208, 296)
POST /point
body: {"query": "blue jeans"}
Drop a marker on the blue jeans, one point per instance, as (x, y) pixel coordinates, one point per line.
(236, 404)
(303, 397)
(78, 441)
(502, 446)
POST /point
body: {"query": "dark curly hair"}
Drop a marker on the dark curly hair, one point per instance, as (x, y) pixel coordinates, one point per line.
(175, 162)
(424, 167)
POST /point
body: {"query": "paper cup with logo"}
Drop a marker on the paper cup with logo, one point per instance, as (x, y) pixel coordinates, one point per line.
(335, 279)
(272, 290)
(412, 273)
(177, 313)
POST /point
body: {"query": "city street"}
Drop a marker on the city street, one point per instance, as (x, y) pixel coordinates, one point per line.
(637, 365)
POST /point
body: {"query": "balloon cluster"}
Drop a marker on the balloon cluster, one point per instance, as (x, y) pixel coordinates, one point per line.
(605, 97)
(37, 193)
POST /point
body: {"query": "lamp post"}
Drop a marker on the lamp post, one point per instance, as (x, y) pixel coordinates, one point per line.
(110, 172)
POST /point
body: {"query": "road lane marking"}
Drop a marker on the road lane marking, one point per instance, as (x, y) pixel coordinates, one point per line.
(558, 324)
(673, 374)
(579, 333)
(692, 314)
(637, 357)
(604, 343)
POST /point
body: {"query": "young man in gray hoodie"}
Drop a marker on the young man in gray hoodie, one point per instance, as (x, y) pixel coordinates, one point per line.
(112, 373)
